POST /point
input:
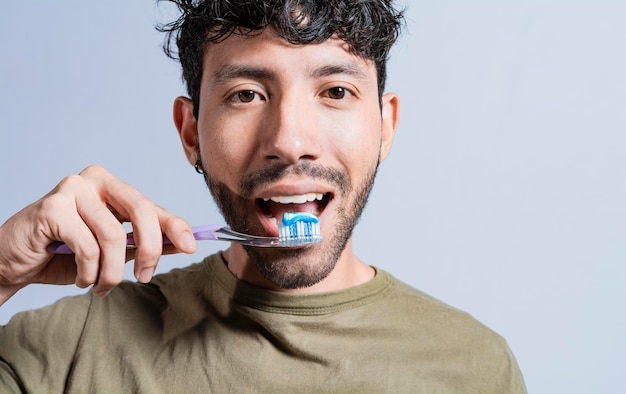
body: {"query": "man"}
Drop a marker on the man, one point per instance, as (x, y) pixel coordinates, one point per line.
(285, 102)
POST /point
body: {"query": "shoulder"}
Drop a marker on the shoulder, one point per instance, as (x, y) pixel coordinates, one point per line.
(428, 310)
(455, 338)
(438, 320)
(137, 301)
(130, 299)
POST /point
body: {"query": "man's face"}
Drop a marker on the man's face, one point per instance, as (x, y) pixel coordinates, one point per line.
(284, 128)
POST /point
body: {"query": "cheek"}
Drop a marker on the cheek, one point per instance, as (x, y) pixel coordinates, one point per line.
(224, 154)
(357, 143)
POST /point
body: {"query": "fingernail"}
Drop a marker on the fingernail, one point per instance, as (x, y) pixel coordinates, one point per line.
(188, 241)
(145, 275)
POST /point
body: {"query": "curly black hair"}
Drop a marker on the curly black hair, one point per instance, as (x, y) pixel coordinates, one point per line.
(369, 27)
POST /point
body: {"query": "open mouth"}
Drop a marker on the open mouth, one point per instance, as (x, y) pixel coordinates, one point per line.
(273, 208)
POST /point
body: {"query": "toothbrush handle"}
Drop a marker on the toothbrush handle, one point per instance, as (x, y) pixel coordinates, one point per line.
(200, 233)
(59, 248)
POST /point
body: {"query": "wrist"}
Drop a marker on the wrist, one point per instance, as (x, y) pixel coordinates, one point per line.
(8, 291)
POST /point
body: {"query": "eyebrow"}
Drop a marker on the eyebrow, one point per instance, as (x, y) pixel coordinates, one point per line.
(234, 71)
(335, 69)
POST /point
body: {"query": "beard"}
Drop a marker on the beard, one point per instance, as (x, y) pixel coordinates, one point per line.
(299, 267)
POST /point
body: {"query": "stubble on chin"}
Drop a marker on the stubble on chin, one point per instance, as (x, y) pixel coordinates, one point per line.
(291, 269)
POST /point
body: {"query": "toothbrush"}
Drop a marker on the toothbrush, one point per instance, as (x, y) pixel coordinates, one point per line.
(295, 229)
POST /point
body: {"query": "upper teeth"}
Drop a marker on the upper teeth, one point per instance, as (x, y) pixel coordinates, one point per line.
(297, 199)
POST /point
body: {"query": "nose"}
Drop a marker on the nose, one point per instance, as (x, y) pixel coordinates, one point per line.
(291, 132)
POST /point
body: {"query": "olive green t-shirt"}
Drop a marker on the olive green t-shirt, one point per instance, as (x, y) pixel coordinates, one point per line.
(199, 329)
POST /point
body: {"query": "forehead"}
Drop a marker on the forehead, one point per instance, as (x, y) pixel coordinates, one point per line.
(271, 52)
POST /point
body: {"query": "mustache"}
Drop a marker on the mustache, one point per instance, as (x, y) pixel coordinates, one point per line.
(250, 182)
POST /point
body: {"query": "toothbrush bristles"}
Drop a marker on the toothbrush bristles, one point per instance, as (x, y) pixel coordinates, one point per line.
(299, 228)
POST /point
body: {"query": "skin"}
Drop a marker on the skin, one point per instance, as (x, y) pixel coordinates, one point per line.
(325, 114)
(331, 120)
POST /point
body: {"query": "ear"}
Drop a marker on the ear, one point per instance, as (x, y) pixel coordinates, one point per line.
(187, 127)
(390, 119)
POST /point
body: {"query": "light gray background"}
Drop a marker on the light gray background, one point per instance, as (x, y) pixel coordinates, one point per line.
(504, 194)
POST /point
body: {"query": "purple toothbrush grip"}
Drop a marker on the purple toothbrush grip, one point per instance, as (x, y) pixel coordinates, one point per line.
(201, 233)
(59, 248)
(205, 233)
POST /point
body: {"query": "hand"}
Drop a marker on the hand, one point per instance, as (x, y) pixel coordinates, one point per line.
(86, 211)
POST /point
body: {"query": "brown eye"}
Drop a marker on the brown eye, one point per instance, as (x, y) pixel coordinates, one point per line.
(246, 96)
(337, 93)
